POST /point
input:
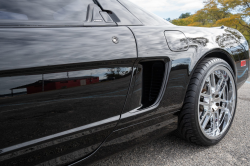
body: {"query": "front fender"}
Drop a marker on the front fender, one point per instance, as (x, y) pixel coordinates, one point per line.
(203, 42)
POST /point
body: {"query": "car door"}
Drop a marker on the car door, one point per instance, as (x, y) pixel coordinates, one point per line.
(64, 83)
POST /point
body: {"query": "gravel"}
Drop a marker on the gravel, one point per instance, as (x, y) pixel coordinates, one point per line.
(170, 150)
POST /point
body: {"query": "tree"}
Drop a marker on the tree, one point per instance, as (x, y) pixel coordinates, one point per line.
(242, 16)
(185, 15)
(183, 22)
(240, 6)
(231, 13)
(168, 19)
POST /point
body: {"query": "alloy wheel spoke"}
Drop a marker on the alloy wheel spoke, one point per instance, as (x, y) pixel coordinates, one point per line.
(222, 121)
(221, 113)
(222, 91)
(219, 84)
(213, 79)
(207, 119)
(203, 117)
(204, 104)
(210, 86)
(205, 95)
(221, 100)
(214, 123)
(217, 120)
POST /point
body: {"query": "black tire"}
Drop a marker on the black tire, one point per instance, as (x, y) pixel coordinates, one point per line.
(189, 125)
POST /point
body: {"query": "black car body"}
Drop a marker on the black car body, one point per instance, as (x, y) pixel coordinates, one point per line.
(74, 91)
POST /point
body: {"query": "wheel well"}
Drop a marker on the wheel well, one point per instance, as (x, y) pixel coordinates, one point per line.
(225, 57)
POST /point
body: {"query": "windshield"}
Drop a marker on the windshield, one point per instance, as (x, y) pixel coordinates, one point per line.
(69, 10)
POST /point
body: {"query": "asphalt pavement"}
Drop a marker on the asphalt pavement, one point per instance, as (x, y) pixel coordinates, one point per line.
(170, 150)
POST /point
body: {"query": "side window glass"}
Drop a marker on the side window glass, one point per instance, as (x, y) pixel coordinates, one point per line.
(40, 10)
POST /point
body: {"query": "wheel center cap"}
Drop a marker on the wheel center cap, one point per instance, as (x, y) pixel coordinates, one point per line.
(214, 107)
(213, 104)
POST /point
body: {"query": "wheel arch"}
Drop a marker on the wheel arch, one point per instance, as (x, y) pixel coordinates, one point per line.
(218, 53)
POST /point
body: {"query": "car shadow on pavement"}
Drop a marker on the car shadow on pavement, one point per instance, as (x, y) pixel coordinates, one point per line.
(156, 152)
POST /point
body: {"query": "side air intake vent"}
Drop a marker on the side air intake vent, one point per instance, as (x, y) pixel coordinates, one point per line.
(153, 75)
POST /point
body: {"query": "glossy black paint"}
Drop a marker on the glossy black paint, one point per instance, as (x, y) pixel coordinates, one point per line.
(70, 117)
(133, 135)
(77, 124)
(49, 107)
(44, 47)
(177, 41)
(152, 45)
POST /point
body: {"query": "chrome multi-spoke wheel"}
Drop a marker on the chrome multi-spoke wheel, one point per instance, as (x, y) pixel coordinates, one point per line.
(209, 106)
(216, 102)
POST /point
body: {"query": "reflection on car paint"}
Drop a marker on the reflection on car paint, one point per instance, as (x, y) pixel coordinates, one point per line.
(58, 98)
(133, 135)
(66, 82)
(177, 41)
(68, 87)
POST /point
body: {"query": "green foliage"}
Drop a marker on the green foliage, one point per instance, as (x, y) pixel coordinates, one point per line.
(185, 15)
(168, 19)
(231, 13)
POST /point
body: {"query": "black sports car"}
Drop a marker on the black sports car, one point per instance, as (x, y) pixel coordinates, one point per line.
(83, 79)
